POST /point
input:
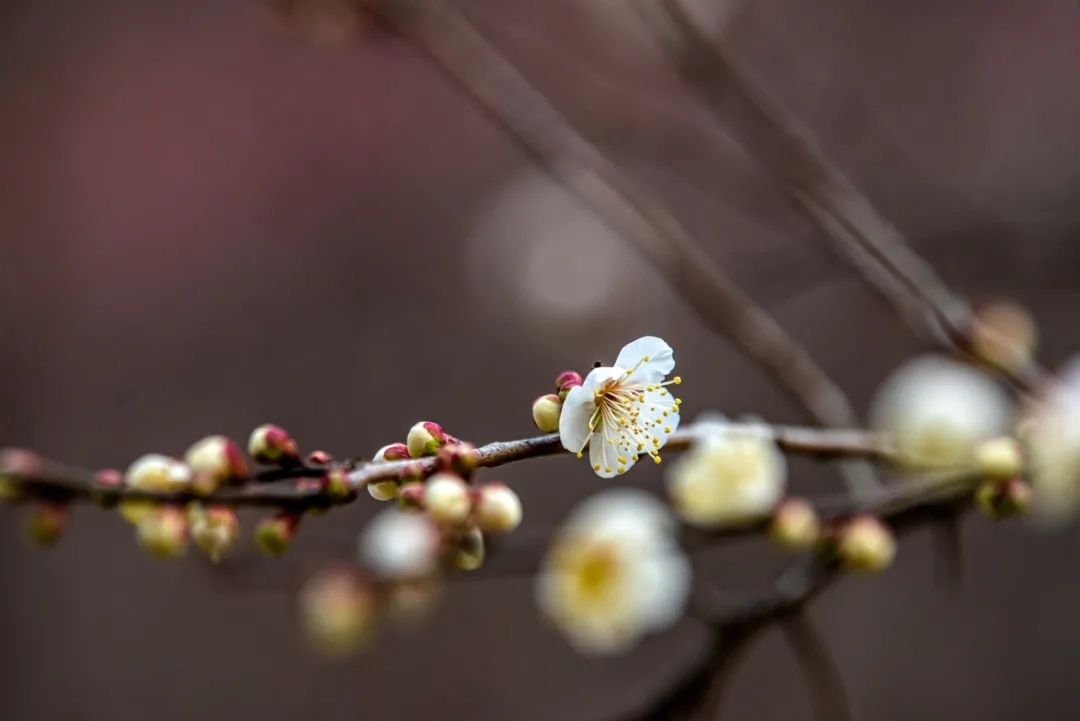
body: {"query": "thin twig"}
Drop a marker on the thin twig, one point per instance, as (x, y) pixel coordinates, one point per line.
(42, 479)
(772, 136)
(495, 86)
(823, 679)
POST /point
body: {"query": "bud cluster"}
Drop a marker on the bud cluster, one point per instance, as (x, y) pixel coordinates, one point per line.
(547, 409)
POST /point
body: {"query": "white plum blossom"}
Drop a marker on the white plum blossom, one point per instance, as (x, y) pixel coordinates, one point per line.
(1053, 440)
(733, 473)
(400, 545)
(623, 411)
(938, 410)
(614, 572)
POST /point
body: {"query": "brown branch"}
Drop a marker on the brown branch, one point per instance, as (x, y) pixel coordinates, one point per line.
(818, 187)
(823, 679)
(492, 83)
(42, 479)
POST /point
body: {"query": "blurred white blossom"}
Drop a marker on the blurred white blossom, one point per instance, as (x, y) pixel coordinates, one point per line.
(399, 545)
(614, 572)
(937, 410)
(732, 474)
(624, 410)
(1053, 438)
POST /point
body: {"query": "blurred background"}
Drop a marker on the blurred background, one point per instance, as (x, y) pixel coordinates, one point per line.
(209, 221)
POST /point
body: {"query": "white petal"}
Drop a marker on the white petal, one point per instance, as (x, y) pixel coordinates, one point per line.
(604, 457)
(661, 359)
(577, 411)
(665, 577)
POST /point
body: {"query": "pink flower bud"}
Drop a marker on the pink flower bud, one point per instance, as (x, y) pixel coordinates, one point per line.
(216, 460)
(272, 445)
(274, 535)
(336, 483)
(546, 411)
(496, 508)
(567, 380)
(392, 452)
(320, 458)
(109, 478)
(425, 439)
(214, 529)
(46, 524)
(460, 458)
(999, 500)
(163, 532)
(411, 495)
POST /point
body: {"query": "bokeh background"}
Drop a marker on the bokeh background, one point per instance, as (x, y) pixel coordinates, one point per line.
(208, 221)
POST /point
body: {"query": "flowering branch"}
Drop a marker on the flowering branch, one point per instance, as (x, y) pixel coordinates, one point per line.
(41, 479)
(819, 188)
(498, 89)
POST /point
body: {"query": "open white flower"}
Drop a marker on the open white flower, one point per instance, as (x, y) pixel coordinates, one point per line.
(614, 572)
(732, 474)
(937, 410)
(1053, 439)
(623, 411)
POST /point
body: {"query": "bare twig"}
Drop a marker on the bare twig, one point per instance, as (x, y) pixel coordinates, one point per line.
(495, 86)
(823, 679)
(818, 187)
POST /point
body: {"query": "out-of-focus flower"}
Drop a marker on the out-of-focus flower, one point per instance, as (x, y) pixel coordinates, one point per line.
(338, 612)
(624, 410)
(215, 460)
(213, 529)
(497, 509)
(545, 413)
(1004, 335)
(399, 545)
(275, 534)
(163, 532)
(999, 458)
(387, 490)
(999, 500)
(795, 524)
(155, 472)
(272, 445)
(613, 572)
(866, 544)
(446, 499)
(937, 410)
(465, 549)
(1052, 432)
(732, 474)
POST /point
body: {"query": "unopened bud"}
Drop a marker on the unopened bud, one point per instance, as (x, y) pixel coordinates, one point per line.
(397, 545)
(337, 611)
(216, 460)
(155, 472)
(460, 458)
(46, 524)
(497, 508)
(274, 535)
(411, 495)
(272, 445)
(446, 499)
(546, 411)
(134, 511)
(319, 458)
(1004, 499)
(336, 483)
(866, 544)
(466, 549)
(567, 380)
(163, 532)
(109, 478)
(387, 490)
(795, 524)
(425, 439)
(999, 458)
(214, 529)
(1004, 335)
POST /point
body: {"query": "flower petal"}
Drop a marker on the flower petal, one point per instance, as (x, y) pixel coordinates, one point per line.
(577, 411)
(604, 456)
(661, 359)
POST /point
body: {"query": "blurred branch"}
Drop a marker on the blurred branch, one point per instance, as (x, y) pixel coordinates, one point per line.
(772, 136)
(823, 679)
(41, 479)
(495, 86)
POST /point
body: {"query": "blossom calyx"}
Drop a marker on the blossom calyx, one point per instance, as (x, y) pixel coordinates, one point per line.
(272, 445)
